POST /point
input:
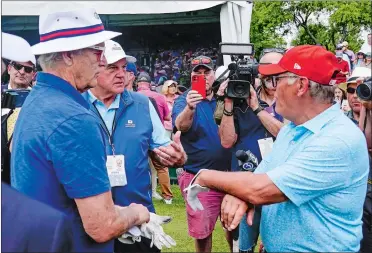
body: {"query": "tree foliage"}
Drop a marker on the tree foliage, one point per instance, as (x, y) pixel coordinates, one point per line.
(318, 22)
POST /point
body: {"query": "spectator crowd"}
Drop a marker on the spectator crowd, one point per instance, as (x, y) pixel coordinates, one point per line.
(86, 140)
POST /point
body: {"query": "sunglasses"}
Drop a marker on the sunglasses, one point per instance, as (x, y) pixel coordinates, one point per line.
(99, 52)
(18, 67)
(351, 90)
(201, 61)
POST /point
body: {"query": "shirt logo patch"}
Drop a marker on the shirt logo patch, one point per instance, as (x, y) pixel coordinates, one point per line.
(130, 123)
(296, 66)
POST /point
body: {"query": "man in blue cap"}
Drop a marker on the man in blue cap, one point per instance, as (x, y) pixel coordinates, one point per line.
(130, 75)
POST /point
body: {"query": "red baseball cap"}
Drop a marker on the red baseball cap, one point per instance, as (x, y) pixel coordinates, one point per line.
(313, 62)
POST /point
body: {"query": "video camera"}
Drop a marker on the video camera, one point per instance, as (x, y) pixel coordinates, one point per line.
(364, 90)
(12, 99)
(243, 70)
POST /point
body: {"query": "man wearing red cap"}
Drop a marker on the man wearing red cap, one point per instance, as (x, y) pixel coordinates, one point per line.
(313, 184)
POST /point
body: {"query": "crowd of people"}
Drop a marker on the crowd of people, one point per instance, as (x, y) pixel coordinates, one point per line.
(83, 153)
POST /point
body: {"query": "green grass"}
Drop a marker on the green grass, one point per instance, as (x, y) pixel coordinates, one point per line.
(177, 228)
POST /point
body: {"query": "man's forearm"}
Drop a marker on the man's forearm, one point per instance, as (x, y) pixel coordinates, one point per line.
(270, 123)
(227, 129)
(185, 119)
(257, 189)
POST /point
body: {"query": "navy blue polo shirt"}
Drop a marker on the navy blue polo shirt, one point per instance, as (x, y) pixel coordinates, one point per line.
(59, 153)
(202, 142)
(250, 130)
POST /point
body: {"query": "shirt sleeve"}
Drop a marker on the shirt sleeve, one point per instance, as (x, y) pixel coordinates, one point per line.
(159, 137)
(166, 109)
(77, 151)
(178, 107)
(314, 171)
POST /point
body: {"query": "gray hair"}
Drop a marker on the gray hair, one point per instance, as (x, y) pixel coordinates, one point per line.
(320, 93)
(49, 61)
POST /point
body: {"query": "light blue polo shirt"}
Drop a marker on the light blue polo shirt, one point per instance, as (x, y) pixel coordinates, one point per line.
(159, 137)
(322, 167)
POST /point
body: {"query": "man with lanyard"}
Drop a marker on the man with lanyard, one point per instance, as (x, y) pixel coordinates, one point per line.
(313, 183)
(133, 129)
(193, 116)
(251, 125)
(58, 154)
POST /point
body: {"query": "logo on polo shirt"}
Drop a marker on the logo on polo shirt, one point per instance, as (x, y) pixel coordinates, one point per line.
(130, 123)
(297, 66)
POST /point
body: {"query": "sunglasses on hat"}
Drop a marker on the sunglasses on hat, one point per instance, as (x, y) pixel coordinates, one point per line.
(18, 67)
(202, 60)
(351, 90)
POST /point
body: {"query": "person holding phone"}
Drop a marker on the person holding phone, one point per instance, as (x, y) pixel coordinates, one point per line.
(192, 114)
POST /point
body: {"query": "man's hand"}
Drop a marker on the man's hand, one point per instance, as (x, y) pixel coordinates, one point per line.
(253, 99)
(142, 213)
(174, 154)
(192, 191)
(193, 98)
(232, 211)
(153, 230)
(222, 88)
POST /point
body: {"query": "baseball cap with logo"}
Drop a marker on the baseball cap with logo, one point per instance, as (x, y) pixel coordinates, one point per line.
(313, 62)
(144, 77)
(114, 52)
(201, 61)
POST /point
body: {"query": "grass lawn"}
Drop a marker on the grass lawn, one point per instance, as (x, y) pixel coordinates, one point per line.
(177, 228)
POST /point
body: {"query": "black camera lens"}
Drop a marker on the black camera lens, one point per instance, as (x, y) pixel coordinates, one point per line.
(239, 89)
(364, 91)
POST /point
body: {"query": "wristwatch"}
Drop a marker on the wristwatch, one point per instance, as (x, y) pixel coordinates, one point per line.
(258, 110)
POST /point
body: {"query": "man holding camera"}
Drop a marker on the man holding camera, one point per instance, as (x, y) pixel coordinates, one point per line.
(251, 126)
(311, 191)
(193, 116)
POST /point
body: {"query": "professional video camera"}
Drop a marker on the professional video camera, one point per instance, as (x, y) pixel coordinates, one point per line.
(364, 90)
(243, 70)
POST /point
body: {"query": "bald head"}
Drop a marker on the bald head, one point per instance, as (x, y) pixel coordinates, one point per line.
(271, 58)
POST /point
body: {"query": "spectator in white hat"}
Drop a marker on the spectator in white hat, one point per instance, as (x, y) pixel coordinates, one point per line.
(59, 152)
(21, 70)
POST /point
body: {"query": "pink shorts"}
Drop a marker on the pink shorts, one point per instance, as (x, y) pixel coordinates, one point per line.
(201, 223)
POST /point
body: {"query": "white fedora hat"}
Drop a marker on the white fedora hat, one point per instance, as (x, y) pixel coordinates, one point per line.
(71, 30)
(114, 52)
(15, 48)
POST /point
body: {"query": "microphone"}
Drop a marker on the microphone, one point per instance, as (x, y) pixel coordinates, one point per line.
(232, 66)
(247, 160)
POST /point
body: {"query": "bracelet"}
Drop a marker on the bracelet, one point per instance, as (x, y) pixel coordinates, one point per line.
(258, 110)
(227, 113)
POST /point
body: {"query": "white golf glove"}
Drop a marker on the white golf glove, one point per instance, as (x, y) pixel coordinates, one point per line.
(154, 231)
(131, 236)
(192, 193)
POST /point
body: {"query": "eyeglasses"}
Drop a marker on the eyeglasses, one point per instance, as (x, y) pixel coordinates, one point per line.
(100, 52)
(276, 79)
(18, 67)
(203, 60)
(351, 90)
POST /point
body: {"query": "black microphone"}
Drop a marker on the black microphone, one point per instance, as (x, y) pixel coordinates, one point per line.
(232, 66)
(247, 160)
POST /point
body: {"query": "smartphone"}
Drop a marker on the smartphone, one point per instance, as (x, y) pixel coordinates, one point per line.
(198, 83)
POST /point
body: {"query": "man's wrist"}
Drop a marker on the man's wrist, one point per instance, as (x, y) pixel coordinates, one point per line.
(190, 107)
(257, 110)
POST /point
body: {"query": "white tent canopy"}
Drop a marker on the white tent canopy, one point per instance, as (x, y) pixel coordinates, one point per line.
(235, 16)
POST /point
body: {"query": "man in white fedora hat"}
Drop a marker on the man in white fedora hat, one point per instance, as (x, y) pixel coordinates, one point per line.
(134, 129)
(58, 152)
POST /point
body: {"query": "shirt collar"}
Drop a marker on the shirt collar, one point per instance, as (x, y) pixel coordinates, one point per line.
(50, 80)
(318, 122)
(114, 105)
(10, 88)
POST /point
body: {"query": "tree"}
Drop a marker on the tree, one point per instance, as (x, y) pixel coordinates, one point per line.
(267, 25)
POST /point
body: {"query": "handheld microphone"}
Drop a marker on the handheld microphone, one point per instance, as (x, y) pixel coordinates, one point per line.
(247, 160)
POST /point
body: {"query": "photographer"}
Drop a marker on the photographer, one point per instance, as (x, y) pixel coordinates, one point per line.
(21, 72)
(253, 120)
(364, 92)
